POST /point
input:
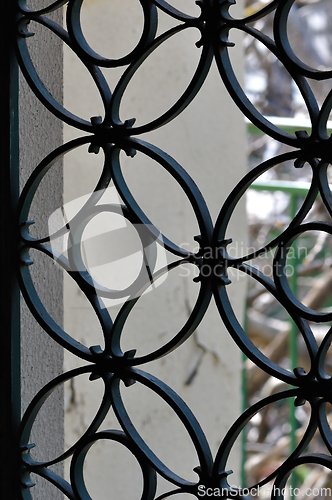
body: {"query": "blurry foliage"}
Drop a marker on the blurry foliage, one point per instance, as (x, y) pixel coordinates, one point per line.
(274, 93)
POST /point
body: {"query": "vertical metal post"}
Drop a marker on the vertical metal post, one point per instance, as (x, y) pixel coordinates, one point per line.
(244, 407)
(292, 345)
(9, 292)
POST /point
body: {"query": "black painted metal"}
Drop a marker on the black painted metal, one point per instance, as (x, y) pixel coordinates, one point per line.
(10, 295)
(215, 25)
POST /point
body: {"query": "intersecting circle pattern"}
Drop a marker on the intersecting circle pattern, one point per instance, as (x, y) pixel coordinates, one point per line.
(215, 25)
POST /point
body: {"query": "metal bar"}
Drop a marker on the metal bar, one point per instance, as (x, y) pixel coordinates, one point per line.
(291, 187)
(244, 432)
(10, 305)
(292, 343)
(290, 125)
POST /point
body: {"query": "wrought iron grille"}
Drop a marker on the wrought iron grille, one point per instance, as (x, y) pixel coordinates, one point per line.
(215, 24)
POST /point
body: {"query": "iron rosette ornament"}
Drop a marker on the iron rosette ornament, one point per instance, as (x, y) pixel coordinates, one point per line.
(110, 134)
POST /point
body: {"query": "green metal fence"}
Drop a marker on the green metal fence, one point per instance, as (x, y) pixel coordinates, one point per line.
(295, 190)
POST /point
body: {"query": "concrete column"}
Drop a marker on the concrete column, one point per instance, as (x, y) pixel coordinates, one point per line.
(208, 140)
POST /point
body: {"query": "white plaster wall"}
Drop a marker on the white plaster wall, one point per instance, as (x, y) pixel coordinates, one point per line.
(207, 139)
(41, 358)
